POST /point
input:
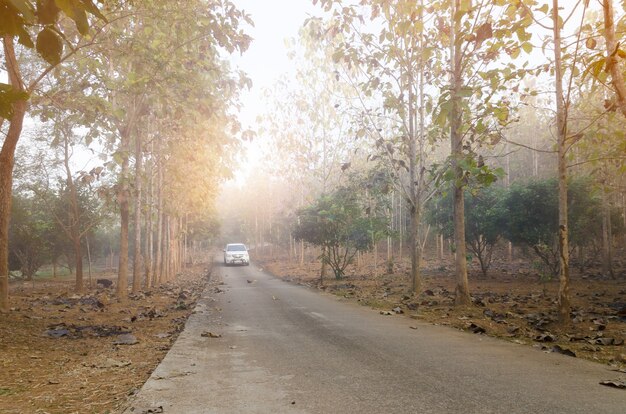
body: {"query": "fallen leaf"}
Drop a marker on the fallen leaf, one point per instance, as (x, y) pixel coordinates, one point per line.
(614, 383)
(209, 334)
(544, 338)
(564, 351)
(476, 329)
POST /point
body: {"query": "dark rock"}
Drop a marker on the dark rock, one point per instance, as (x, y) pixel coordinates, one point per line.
(57, 333)
(126, 339)
(105, 283)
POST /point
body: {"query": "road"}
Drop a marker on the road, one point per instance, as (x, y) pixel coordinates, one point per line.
(288, 349)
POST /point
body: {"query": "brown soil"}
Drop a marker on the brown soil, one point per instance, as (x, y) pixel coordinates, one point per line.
(512, 303)
(60, 352)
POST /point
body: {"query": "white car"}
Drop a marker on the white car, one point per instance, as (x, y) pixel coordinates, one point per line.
(236, 253)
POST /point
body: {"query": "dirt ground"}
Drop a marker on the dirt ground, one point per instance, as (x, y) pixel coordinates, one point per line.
(512, 303)
(64, 353)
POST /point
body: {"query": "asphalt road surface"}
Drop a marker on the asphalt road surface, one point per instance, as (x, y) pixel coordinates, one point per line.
(289, 349)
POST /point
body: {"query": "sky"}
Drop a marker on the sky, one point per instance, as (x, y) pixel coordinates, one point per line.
(266, 60)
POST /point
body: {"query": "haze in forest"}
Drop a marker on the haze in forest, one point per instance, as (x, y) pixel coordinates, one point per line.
(387, 151)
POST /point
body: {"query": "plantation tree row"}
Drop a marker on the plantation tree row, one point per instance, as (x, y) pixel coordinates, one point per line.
(445, 99)
(142, 86)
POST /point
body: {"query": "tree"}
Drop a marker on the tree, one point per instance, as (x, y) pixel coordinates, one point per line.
(485, 219)
(533, 217)
(306, 123)
(475, 105)
(611, 63)
(30, 235)
(336, 222)
(164, 86)
(386, 64)
(561, 127)
(21, 18)
(403, 67)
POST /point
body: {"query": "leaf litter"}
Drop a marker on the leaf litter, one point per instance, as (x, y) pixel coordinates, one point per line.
(63, 352)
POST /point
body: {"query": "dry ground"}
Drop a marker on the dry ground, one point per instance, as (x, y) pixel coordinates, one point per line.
(512, 303)
(63, 353)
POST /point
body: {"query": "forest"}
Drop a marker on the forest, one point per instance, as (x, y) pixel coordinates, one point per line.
(476, 128)
(473, 141)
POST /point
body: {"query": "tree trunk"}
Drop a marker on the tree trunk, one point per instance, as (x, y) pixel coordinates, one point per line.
(323, 266)
(137, 219)
(612, 63)
(149, 229)
(185, 254)
(166, 250)
(88, 260)
(416, 252)
(78, 253)
(73, 213)
(607, 240)
(461, 290)
(561, 121)
(414, 183)
(7, 159)
(124, 201)
(158, 274)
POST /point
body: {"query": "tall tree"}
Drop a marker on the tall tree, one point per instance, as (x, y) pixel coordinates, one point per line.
(387, 70)
(561, 126)
(21, 19)
(614, 55)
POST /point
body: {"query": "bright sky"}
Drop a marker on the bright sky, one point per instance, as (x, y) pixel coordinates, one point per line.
(266, 60)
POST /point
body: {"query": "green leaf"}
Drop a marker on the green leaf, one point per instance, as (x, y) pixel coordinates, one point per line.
(90, 7)
(50, 46)
(47, 11)
(502, 113)
(24, 8)
(7, 98)
(75, 10)
(465, 6)
(528, 47)
(515, 52)
(466, 92)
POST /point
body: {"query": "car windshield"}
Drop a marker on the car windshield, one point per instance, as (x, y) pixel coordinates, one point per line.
(236, 248)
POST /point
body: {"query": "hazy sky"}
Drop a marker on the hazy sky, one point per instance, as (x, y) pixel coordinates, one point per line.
(266, 60)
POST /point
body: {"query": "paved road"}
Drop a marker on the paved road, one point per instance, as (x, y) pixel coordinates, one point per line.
(287, 349)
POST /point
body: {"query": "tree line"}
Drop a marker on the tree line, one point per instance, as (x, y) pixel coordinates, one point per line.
(145, 89)
(444, 98)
